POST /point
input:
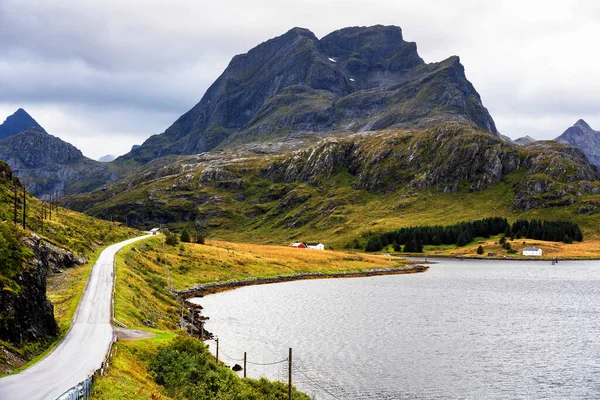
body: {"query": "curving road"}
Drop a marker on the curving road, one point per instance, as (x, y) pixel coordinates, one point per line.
(83, 348)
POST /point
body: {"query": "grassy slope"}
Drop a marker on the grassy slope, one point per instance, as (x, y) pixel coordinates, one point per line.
(79, 233)
(143, 272)
(247, 207)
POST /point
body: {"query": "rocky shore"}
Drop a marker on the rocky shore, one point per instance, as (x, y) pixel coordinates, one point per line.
(209, 288)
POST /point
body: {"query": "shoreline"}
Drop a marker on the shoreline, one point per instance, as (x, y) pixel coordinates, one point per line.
(216, 287)
(458, 257)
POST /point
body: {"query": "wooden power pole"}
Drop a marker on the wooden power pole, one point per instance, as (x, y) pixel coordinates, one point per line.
(290, 375)
(16, 203)
(24, 207)
(244, 364)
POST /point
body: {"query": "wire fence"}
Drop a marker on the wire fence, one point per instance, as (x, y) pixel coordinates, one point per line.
(321, 383)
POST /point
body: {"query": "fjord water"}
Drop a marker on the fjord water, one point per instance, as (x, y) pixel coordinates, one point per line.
(462, 330)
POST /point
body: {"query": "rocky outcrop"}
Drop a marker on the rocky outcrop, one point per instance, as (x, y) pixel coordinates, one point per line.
(50, 167)
(358, 79)
(582, 136)
(27, 314)
(18, 122)
(381, 162)
(446, 158)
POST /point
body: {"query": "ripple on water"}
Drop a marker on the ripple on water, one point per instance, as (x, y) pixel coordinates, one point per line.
(462, 330)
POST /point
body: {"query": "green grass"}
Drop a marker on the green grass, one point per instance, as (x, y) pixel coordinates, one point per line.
(146, 269)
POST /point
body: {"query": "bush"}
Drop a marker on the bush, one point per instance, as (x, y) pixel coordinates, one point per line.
(188, 371)
(480, 250)
(199, 238)
(172, 239)
(185, 236)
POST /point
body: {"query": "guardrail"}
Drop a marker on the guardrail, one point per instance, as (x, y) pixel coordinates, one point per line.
(83, 389)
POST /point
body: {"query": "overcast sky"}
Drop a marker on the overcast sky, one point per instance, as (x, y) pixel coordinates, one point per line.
(106, 74)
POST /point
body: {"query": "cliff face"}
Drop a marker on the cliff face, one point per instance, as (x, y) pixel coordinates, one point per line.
(582, 136)
(446, 158)
(49, 166)
(352, 79)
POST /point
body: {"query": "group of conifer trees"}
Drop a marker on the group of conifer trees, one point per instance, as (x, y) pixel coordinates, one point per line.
(412, 239)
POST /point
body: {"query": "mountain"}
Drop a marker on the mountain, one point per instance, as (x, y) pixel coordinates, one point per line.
(50, 167)
(525, 140)
(135, 146)
(354, 79)
(582, 136)
(18, 122)
(107, 158)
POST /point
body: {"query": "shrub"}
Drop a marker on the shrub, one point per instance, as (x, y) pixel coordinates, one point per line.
(188, 371)
(172, 239)
(480, 250)
(185, 236)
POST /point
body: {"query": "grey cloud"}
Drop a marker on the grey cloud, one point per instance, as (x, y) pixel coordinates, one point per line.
(533, 62)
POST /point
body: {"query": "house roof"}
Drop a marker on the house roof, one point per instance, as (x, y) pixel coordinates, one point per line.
(154, 229)
(313, 243)
(531, 249)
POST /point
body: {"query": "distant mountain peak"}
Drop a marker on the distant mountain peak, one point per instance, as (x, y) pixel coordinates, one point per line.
(18, 122)
(581, 123)
(582, 136)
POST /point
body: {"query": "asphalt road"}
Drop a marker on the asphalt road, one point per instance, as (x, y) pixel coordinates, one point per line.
(83, 348)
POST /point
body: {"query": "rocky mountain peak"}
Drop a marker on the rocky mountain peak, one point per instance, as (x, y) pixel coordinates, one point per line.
(354, 79)
(583, 137)
(584, 125)
(18, 122)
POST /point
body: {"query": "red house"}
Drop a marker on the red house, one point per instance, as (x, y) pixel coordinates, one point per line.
(298, 245)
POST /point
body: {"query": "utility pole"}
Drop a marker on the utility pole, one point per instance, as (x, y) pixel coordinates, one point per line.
(24, 207)
(16, 203)
(217, 339)
(290, 375)
(244, 364)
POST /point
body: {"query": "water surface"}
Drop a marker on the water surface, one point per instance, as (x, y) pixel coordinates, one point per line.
(462, 330)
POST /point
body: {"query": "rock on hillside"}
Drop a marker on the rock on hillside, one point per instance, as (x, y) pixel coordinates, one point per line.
(18, 122)
(582, 136)
(358, 79)
(49, 166)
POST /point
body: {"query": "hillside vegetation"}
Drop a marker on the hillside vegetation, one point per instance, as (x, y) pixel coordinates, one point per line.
(344, 188)
(146, 273)
(53, 248)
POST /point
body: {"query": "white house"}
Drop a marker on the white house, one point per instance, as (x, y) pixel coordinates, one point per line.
(532, 251)
(154, 231)
(315, 245)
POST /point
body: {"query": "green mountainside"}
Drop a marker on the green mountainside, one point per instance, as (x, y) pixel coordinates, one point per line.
(344, 187)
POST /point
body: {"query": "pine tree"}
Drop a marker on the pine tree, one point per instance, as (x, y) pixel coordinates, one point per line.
(185, 236)
(480, 250)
